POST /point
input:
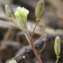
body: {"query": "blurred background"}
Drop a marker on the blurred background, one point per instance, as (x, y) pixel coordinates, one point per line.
(13, 41)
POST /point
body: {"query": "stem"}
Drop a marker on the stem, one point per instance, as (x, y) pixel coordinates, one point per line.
(57, 60)
(33, 47)
(35, 52)
(34, 29)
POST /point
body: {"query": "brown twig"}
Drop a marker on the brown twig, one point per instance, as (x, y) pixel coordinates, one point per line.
(26, 52)
(7, 34)
(5, 38)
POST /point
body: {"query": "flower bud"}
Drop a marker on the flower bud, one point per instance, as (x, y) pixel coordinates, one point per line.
(8, 12)
(39, 9)
(57, 46)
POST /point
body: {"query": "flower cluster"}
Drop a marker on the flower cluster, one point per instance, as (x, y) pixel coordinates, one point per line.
(21, 13)
(21, 16)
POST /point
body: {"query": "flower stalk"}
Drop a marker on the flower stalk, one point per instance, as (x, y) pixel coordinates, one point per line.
(21, 18)
(33, 48)
(38, 12)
